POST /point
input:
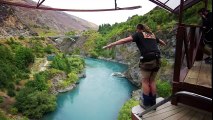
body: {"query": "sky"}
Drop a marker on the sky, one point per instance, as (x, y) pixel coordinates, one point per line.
(99, 18)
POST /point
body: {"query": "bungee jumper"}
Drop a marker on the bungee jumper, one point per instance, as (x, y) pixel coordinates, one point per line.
(149, 64)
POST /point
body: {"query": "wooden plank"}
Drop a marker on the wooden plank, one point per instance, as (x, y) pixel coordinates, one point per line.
(178, 115)
(190, 80)
(164, 114)
(193, 73)
(205, 75)
(162, 110)
(161, 107)
(197, 116)
(180, 112)
(207, 117)
(138, 110)
(188, 116)
(197, 110)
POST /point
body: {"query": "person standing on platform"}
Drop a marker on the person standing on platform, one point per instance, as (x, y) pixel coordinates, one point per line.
(149, 64)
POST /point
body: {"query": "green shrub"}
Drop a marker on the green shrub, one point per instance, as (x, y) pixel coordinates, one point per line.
(34, 104)
(39, 83)
(68, 64)
(71, 33)
(21, 37)
(14, 110)
(8, 70)
(76, 51)
(63, 84)
(12, 39)
(13, 43)
(93, 54)
(11, 93)
(24, 118)
(53, 72)
(17, 81)
(125, 112)
(11, 86)
(72, 77)
(2, 115)
(1, 99)
(49, 49)
(42, 38)
(164, 88)
(24, 57)
(23, 75)
(37, 47)
(164, 62)
(18, 89)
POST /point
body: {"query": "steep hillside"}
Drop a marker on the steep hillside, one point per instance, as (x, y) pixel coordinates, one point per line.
(10, 24)
(42, 22)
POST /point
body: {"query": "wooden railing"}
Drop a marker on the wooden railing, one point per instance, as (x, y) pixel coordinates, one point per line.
(188, 41)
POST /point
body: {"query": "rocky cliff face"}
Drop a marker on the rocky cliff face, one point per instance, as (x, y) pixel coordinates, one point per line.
(10, 24)
(24, 21)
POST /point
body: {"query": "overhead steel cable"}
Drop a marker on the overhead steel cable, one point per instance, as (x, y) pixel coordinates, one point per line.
(71, 10)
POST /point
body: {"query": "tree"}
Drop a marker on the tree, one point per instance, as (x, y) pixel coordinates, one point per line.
(125, 112)
(38, 84)
(7, 67)
(35, 104)
(24, 57)
(49, 49)
(70, 64)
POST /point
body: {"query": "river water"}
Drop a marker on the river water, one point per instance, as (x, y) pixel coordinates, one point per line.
(99, 96)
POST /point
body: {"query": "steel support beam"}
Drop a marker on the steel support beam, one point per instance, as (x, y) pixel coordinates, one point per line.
(39, 3)
(159, 3)
(70, 10)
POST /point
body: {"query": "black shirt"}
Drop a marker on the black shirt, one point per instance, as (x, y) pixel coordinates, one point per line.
(145, 45)
(207, 22)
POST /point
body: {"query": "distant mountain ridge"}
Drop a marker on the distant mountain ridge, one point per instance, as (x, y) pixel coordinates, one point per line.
(39, 21)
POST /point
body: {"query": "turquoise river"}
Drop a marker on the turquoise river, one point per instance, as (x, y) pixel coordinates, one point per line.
(99, 96)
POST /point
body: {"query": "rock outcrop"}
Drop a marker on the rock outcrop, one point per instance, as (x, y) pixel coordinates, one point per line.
(10, 25)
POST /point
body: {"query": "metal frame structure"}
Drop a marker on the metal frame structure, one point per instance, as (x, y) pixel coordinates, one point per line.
(39, 3)
(186, 4)
(188, 44)
(39, 7)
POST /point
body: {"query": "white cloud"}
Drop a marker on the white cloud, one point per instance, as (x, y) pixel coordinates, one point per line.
(102, 17)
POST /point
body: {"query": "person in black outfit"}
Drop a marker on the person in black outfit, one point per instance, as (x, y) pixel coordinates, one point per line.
(206, 16)
(149, 61)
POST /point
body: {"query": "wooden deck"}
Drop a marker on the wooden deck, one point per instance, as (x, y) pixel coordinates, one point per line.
(198, 80)
(200, 74)
(172, 112)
